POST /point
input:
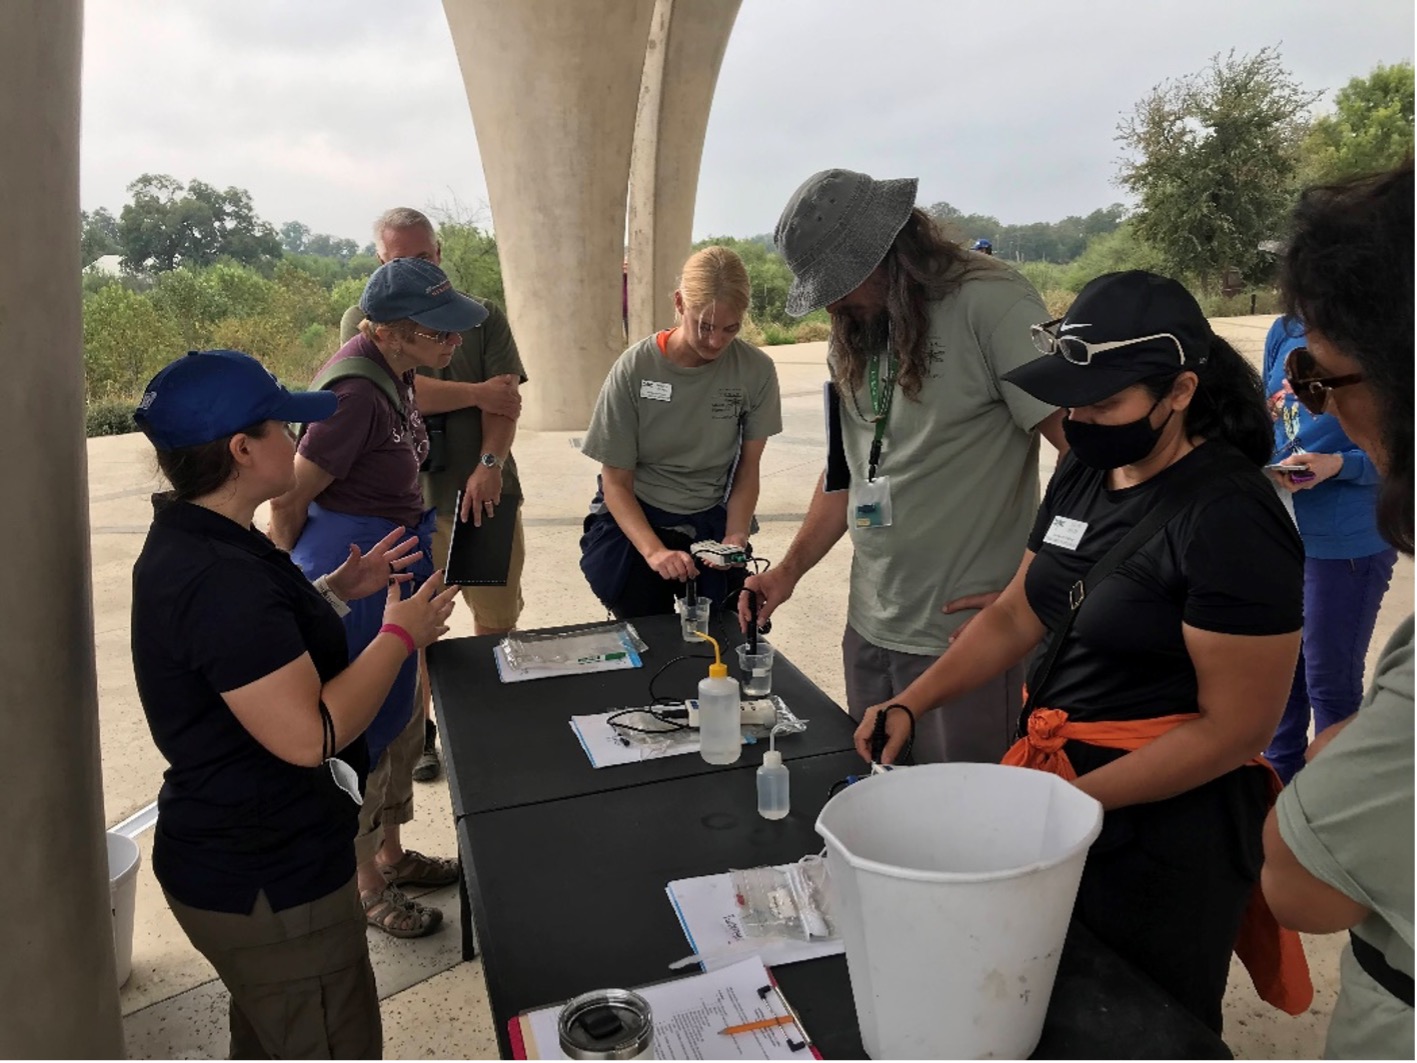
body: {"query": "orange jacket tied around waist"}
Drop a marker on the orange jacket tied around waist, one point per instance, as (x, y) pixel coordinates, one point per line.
(1273, 955)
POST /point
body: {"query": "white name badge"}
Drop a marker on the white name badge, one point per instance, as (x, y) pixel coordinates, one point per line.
(1065, 532)
(653, 389)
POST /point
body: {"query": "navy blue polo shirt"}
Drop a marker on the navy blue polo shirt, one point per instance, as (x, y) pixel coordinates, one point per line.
(217, 606)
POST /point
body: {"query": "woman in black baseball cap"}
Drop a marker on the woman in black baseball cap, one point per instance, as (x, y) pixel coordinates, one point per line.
(1163, 680)
(249, 691)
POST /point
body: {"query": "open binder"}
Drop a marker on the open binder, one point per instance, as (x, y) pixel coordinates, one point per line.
(481, 556)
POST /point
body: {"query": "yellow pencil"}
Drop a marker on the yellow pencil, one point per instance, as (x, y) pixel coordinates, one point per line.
(761, 1024)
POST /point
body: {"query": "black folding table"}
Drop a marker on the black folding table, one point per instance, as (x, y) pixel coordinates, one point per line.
(565, 865)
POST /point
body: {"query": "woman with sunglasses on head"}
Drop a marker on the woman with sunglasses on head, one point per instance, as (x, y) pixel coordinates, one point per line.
(1347, 563)
(356, 479)
(1159, 692)
(259, 709)
(1339, 843)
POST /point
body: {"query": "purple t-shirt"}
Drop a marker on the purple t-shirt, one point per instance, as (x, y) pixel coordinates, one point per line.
(368, 447)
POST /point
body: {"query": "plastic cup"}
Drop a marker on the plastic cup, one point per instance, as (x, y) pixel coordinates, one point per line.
(693, 619)
(756, 670)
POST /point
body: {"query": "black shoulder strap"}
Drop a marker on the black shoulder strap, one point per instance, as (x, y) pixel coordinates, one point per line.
(1177, 495)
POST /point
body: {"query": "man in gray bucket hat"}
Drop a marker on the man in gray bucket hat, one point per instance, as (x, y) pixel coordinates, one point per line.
(942, 454)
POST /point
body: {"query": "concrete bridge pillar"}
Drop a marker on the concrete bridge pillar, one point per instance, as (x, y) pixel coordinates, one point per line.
(555, 87)
(687, 40)
(552, 86)
(58, 995)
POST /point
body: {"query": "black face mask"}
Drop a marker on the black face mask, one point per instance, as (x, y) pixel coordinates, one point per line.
(1110, 446)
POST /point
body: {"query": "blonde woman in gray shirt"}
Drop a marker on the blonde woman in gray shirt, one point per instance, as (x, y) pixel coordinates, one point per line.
(679, 429)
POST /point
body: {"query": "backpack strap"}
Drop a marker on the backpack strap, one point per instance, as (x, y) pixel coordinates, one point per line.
(1199, 484)
(364, 369)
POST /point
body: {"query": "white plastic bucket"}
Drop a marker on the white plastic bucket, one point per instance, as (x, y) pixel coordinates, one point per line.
(953, 886)
(123, 861)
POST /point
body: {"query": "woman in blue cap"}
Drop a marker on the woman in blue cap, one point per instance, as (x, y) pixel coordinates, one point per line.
(252, 698)
(356, 480)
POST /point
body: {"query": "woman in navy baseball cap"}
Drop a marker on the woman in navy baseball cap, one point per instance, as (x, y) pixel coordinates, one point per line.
(251, 697)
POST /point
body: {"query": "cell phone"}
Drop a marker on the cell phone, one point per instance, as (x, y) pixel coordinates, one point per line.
(1290, 469)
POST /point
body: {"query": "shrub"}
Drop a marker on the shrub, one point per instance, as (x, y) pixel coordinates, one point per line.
(812, 332)
(342, 296)
(1214, 305)
(775, 335)
(1057, 300)
(112, 417)
(126, 341)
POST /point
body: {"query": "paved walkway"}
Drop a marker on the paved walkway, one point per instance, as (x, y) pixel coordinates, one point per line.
(434, 1006)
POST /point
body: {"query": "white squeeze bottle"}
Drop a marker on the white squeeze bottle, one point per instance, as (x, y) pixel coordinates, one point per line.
(774, 801)
(720, 717)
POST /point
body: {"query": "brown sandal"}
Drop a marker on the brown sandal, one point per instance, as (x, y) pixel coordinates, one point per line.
(396, 915)
(415, 869)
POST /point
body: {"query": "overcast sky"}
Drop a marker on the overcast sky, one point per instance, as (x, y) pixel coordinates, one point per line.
(329, 112)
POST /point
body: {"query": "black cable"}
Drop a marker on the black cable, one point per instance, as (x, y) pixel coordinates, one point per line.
(878, 734)
(659, 700)
(670, 724)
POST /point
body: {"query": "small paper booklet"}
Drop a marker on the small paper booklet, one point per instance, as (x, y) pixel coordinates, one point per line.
(707, 908)
(688, 1014)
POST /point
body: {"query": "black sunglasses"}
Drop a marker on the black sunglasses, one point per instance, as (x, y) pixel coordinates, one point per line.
(1311, 390)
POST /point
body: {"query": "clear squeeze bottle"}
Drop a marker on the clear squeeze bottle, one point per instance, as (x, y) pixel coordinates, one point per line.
(774, 801)
(720, 717)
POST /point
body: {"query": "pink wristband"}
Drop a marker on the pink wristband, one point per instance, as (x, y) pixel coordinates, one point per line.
(401, 634)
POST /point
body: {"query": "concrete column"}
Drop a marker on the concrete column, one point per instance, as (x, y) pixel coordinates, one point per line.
(685, 50)
(58, 997)
(552, 85)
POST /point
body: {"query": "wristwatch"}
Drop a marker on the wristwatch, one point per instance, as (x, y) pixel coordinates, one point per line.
(491, 460)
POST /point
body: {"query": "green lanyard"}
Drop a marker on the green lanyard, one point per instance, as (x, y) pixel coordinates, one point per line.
(880, 407)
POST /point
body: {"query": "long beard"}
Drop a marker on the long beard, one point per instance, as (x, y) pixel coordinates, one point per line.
(855, 341)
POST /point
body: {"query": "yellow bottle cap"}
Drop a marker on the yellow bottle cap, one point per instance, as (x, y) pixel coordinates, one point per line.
(718, 671)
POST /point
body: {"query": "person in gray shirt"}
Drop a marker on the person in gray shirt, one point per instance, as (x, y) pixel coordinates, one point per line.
(679, 429)
(943, 455)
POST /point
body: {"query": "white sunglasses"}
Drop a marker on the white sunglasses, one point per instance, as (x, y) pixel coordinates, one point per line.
(1079, 352)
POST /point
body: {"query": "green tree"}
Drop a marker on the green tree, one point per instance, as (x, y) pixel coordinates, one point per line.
(98, 235)
(1112, 252)
(168, 224)
(293, 237)
(470, 260)
(768, 276)
(327, 246)
(126, 341)
(1369, 130)
(1212, 159)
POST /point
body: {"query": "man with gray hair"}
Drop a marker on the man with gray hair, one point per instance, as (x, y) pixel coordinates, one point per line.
(942, 454)
(474, 403)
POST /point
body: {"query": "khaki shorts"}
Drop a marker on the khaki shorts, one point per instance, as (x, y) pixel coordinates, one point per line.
(388, 792)
(300, 980)
(493, 608)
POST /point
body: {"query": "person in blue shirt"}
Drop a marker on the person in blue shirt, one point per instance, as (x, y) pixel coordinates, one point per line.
(1347, 563)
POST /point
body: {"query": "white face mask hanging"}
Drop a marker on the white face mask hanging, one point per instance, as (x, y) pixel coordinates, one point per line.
(344, 776)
